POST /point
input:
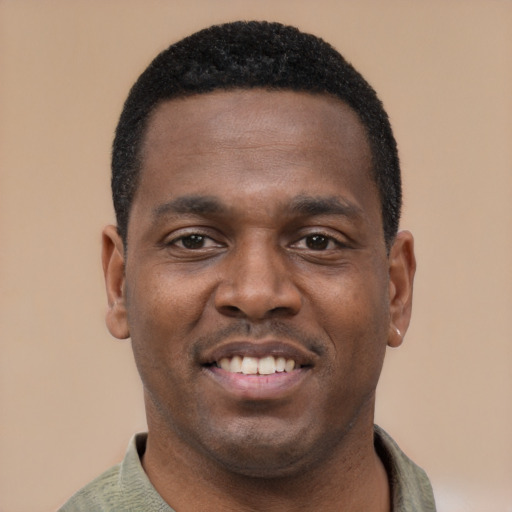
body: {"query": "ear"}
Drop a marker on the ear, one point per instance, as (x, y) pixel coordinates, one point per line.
(402, 267)
(112, 256)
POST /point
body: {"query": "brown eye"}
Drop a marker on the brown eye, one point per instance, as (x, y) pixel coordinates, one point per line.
(193, 241)
(317, 242)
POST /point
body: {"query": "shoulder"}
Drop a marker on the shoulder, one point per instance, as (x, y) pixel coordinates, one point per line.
(101, 494)
(410, 486)
(123, 488)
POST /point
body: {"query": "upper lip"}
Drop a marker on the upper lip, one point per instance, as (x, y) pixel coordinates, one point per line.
(259, 349)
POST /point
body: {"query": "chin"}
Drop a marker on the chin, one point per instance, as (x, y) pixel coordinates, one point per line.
(275, 462)
(263, 453)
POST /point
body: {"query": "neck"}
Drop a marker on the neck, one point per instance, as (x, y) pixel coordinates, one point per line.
(351, 479)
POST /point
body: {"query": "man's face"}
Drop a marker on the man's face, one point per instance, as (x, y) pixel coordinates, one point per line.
(255, 242)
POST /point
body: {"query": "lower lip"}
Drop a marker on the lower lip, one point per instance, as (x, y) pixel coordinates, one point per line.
(258, 387)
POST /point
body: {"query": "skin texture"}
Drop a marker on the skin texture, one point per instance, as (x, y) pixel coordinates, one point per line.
(255, 230)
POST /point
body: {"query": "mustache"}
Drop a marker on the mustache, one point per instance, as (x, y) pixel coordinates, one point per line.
(269, 329)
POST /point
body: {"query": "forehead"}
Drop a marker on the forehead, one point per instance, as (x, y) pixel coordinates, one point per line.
(253, 117)
(231, 143)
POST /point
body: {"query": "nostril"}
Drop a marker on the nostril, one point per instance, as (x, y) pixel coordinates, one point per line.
(280, 310)
(230, 310)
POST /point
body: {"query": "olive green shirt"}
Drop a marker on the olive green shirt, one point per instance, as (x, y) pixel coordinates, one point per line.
(125, 487)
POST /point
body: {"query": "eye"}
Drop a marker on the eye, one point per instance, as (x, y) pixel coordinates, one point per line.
(319, 242)
(194, 241)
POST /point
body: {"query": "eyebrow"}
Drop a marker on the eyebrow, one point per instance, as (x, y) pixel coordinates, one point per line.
(311, 206)
(300, 205)
(192, 204)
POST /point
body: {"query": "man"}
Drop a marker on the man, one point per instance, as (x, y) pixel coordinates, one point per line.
(258, 269)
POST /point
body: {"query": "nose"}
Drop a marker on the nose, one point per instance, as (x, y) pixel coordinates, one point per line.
(257, 284)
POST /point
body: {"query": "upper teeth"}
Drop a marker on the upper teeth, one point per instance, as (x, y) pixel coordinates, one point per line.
(254, 365)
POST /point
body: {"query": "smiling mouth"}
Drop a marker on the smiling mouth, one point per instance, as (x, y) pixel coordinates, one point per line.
(248, 365)
(258, 364)
(258, 371)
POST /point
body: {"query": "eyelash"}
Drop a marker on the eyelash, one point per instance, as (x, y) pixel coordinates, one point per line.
(189, 236)
(322, 238)
(325, 241)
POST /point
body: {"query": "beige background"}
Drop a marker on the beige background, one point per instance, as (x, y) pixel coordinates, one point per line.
(69, 394)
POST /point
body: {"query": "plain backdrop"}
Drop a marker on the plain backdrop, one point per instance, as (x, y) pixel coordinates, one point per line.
(70, 397)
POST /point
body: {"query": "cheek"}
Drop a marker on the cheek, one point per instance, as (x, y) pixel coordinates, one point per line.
(163, 300)
(162, 312)
(359, 303)
(355, 317)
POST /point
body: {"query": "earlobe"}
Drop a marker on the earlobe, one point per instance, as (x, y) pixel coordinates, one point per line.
(112, 256)
(402, 267)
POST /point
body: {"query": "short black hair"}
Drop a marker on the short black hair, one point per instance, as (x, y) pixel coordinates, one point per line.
(244, 55)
